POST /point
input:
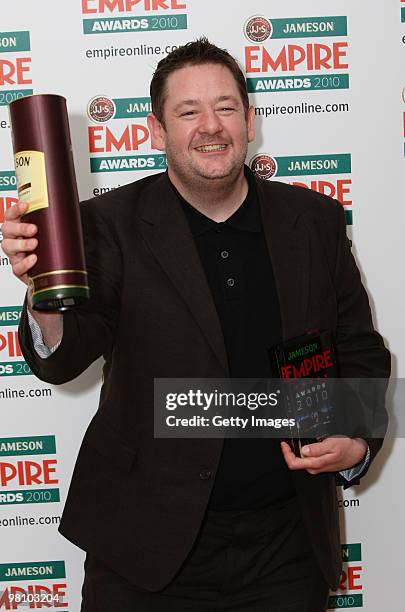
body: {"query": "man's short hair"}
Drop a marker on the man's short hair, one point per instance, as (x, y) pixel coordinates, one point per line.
(194, 53)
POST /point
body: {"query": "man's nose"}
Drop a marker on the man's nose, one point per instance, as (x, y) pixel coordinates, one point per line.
(210, 122)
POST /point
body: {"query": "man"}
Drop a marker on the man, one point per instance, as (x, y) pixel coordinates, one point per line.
(196, 273)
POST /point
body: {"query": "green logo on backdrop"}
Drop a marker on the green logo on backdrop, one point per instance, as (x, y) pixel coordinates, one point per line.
(351, 552)
(8, 180)
(403, 14)
(36, 570)
(298, 83)
(39, 496)
(303, 165)
(128, 162)
(309, 27)
(132, 107)
(14, 368)
(17, 447)
(345, 601)
(10, 42)
(134, 24)
(10, 315)
(8, 96)
(34, 445)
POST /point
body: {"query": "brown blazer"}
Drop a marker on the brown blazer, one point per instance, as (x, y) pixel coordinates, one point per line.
(137, 502)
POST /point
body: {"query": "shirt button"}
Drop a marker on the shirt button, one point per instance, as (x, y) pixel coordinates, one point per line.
(205, 474)
(224, 254)
(230, 282)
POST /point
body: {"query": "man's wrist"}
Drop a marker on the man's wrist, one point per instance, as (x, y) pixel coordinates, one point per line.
(361, 442)
(29, 298)
(50, 324)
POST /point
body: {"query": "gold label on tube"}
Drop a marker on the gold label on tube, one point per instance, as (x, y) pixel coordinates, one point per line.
(31, 179)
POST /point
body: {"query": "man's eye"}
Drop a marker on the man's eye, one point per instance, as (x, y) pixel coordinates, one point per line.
(188, 114)
(226, 109)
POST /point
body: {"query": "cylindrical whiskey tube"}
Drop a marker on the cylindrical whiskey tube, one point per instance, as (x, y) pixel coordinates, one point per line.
(46, 181)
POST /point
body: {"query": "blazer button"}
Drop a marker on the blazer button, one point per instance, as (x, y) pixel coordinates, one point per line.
(205, 474)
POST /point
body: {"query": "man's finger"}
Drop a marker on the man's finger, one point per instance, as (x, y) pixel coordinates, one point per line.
(12, 229)
(17, 258)
(310, 463)
(15, 211)
(314, 463)
(21, 267)
(316, 449)
(12, 246)
(293, 462)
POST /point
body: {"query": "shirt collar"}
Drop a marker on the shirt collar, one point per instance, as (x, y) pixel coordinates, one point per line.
(246, 218)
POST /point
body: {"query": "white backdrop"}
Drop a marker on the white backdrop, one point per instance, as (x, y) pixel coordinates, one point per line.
(327, 80)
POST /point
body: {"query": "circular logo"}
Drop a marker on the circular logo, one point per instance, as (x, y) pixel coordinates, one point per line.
(258, 28)
(101, 109)
(403, 94)
(264, 166)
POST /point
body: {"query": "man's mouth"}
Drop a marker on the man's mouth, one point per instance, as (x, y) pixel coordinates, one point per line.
(212, 147)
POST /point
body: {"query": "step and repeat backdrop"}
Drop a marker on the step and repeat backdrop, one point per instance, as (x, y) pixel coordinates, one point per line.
(327, 81)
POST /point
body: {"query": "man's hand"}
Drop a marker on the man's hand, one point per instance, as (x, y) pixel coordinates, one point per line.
(18, 241)
(18, 244)
(331, 455)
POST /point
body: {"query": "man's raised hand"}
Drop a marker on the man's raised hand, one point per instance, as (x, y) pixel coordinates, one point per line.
(19, 241)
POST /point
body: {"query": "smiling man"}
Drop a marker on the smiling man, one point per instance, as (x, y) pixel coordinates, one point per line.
(196, 273)
(204, 125)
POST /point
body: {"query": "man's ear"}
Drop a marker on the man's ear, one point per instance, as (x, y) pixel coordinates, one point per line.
(250, 120)
(157, 133)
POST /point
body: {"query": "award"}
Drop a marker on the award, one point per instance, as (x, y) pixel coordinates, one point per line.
(46, 182)
(307, 366)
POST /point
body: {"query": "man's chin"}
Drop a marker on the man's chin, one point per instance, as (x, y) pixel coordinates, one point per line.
(217, 174)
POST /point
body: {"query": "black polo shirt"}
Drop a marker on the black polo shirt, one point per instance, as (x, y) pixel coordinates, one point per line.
(252, 473)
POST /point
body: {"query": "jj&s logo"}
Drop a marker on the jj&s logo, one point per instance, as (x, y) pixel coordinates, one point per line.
(28, 469)
(299, 167)
(11, 362)
(33, 585)
(102, 108)
(15, 69)
(257, 28)
(349, 594)
(158, 20)
(294, 66)
(127, 143)
(264, 166)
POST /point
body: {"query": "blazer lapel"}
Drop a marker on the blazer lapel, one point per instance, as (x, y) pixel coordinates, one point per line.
(166, 232)
(288, 244)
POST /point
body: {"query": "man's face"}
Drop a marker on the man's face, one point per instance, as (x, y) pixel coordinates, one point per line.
(206, 131)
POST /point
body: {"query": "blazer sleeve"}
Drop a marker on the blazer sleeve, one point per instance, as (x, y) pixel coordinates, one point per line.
(361, 348)
(362, 355)
(88, 330)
